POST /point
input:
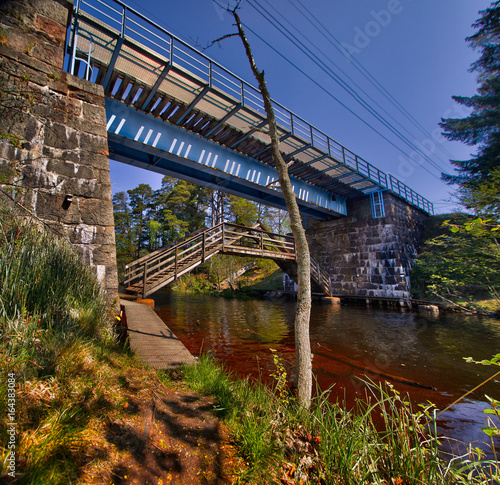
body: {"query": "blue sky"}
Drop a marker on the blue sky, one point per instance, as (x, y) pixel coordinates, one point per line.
(414, 49)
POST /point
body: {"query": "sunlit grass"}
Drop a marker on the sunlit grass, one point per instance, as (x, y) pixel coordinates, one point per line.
(381, 441)
(56, 337)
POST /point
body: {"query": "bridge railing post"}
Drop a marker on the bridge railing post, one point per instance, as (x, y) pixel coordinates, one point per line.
(176, 257)
(124, 20)
(203, 247)
(74, 37)
(144, 279)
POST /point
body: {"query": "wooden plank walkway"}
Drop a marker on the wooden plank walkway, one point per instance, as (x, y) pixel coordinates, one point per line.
(151, 340)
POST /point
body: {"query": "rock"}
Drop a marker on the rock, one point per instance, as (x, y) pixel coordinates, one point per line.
(429, 308)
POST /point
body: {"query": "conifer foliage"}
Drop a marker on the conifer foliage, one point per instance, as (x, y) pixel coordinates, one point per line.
(481, 128)
(147, 219)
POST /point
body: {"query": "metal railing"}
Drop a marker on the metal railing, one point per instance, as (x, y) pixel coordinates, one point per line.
(321, 277)
(159, 268)
(129, 23)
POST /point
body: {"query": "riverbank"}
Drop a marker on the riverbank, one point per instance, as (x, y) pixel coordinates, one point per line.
(133, 425)
(93, 414)
(77, 406)
(420, 354)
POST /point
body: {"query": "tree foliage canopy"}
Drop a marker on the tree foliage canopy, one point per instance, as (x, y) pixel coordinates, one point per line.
(147, 219)
(482, 127)
(459, 262)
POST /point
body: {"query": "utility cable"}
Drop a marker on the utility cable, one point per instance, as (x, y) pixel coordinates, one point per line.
(399, 135)
(380, 134)
(335, 98)
(342, 83)
(338, 46)
(339, 69)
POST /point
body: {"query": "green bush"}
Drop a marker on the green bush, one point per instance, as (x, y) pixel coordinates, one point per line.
(459, 267)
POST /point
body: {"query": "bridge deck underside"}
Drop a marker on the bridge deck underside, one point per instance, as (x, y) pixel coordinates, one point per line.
(172, 83)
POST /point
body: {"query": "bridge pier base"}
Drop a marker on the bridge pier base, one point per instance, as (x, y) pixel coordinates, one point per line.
(53, 140)
(367, 256)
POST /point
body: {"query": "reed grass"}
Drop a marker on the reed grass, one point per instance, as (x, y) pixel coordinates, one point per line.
(56, 337)
(381, 441)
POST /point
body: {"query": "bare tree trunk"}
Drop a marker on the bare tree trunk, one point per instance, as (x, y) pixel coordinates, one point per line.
(302, 343)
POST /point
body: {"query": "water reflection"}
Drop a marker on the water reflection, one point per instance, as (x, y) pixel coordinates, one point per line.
(419, 354)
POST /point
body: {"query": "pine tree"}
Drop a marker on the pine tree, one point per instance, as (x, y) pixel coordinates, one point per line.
(140, 200)
(124, 230)
(482, 127)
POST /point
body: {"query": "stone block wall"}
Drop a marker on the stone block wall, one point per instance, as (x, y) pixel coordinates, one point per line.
(366, 256)
(53, 140)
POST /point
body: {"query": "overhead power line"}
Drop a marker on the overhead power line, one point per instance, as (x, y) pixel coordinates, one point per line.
(332, 40)
(273, 21)
(338, 68)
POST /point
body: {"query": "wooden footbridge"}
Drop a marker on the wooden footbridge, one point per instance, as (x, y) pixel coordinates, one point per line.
(148, 274)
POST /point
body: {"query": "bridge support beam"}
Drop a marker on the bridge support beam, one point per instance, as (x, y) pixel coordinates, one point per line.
(367, 256)
(54, 152)
(142, 140)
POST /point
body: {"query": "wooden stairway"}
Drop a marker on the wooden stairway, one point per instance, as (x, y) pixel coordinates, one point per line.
(148, 274)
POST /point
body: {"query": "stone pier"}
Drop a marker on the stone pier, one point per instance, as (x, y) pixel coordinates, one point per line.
(53, 140)
(368, 256)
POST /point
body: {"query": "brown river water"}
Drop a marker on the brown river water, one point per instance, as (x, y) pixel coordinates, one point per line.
(419, 354)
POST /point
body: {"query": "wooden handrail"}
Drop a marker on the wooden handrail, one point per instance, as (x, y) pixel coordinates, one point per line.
(151, 272)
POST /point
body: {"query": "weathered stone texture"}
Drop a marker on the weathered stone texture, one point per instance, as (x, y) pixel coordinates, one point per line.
(367, 256)
(58, 124)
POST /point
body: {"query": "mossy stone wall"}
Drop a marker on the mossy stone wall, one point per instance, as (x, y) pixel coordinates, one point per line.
(53, 139)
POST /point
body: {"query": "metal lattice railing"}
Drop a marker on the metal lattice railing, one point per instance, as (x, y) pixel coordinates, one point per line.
(159, 268)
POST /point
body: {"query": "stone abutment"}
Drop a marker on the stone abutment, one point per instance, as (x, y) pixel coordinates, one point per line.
(367, 256)
(53, 140)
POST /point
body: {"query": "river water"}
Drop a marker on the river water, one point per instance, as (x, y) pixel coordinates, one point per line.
(419, 354)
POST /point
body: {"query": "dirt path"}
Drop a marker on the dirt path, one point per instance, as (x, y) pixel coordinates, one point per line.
(166, 436)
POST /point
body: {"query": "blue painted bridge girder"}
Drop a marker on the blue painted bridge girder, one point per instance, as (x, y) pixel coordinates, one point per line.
(140, 139)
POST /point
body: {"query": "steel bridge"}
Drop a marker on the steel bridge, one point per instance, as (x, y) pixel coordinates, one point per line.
(173, 110)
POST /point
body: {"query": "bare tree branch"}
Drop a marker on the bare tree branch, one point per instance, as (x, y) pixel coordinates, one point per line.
(303, 358)
(219, 40)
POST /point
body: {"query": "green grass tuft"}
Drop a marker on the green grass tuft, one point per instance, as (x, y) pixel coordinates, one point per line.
(383, 440)
(53, 319)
